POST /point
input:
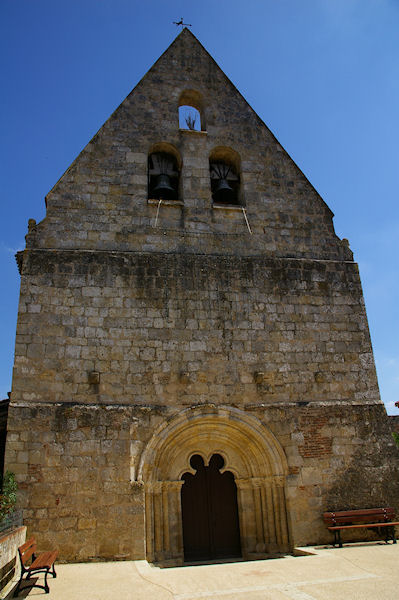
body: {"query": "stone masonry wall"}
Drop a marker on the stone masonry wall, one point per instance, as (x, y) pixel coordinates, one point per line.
(73, 469)
(286, 340)
(164, 328)
(76, 468)
(339, 457)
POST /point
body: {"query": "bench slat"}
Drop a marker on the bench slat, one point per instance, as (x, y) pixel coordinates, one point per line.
(44, 561)
(364, 525)
(365, 511)
(358, 516)
(26, 550)
(349, 521)
(27, 545)
(27, 555)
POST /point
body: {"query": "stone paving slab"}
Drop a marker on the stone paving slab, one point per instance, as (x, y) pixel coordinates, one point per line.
(368, 571)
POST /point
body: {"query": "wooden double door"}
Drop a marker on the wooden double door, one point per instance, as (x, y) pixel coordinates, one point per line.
(210, 512)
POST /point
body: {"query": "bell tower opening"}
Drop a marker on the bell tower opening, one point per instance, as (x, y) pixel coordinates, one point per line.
(189, 118)
(164, 167)
(210, 511)
(224, 167)
(163, 176)
(191, 111)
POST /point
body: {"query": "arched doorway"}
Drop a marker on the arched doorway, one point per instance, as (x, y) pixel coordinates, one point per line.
(209, 511)
(251, 454)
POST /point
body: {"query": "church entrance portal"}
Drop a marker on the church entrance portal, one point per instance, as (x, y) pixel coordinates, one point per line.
(191, 505)
(209, 511)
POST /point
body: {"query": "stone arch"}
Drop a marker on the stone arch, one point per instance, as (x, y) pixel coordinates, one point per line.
(164, 160)
(194, 99)
(225, 164)
(166, 148)
(250, 451)
(226, 154)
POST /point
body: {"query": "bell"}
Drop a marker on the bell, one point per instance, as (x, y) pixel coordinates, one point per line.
(163, 189)
(223, 192)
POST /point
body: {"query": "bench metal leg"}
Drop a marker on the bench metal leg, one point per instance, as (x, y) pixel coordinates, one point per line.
(44, 587)
(337, 538)
(390, 534)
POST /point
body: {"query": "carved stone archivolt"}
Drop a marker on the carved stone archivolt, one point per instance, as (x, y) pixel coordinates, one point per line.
(250, 451)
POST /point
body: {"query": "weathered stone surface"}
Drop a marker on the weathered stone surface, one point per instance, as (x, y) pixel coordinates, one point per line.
(10, 568)
(151, 317)
(140, 344)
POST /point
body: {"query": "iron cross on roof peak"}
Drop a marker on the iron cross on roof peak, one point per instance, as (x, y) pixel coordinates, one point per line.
(181, 23)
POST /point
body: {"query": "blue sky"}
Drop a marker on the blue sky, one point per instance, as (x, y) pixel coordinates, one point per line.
(322, 74)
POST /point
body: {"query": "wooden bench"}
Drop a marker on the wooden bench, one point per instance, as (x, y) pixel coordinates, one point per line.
(380, 520)
(43, 563)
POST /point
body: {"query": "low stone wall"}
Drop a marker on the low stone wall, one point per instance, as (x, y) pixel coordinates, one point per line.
(9, 565)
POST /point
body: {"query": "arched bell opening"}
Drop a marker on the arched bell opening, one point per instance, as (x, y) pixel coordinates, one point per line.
(226, 440)
(191, 111)
(210, 520)
(163, 172)
(189, 118)
(224, 168)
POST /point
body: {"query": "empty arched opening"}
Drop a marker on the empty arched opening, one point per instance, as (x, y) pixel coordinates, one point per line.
(209, 506)
(191, 111)
(164, 165)
(224, 168)
(189, 118)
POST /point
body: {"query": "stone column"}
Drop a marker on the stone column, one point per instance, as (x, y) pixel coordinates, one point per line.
(279, 494)
(158, 520)
(271, 543)
(262, 512)
(165, 514)
(149, 523)
(164, 534)
(174, 521)
(260, 515)
(245, 513)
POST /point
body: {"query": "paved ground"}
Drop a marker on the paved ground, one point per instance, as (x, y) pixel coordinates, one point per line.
(366, 572)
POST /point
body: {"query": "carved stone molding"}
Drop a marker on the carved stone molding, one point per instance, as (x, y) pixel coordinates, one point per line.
(251, 453)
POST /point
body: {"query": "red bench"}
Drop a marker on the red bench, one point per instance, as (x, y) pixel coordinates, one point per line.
(380, 520)
(43, 563)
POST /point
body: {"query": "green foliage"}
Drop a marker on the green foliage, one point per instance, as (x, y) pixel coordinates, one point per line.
(8, 496)
(395, 436)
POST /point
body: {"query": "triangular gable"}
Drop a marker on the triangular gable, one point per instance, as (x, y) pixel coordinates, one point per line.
(110, 177)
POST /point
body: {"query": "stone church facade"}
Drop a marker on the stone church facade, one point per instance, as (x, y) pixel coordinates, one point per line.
(187, 311)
